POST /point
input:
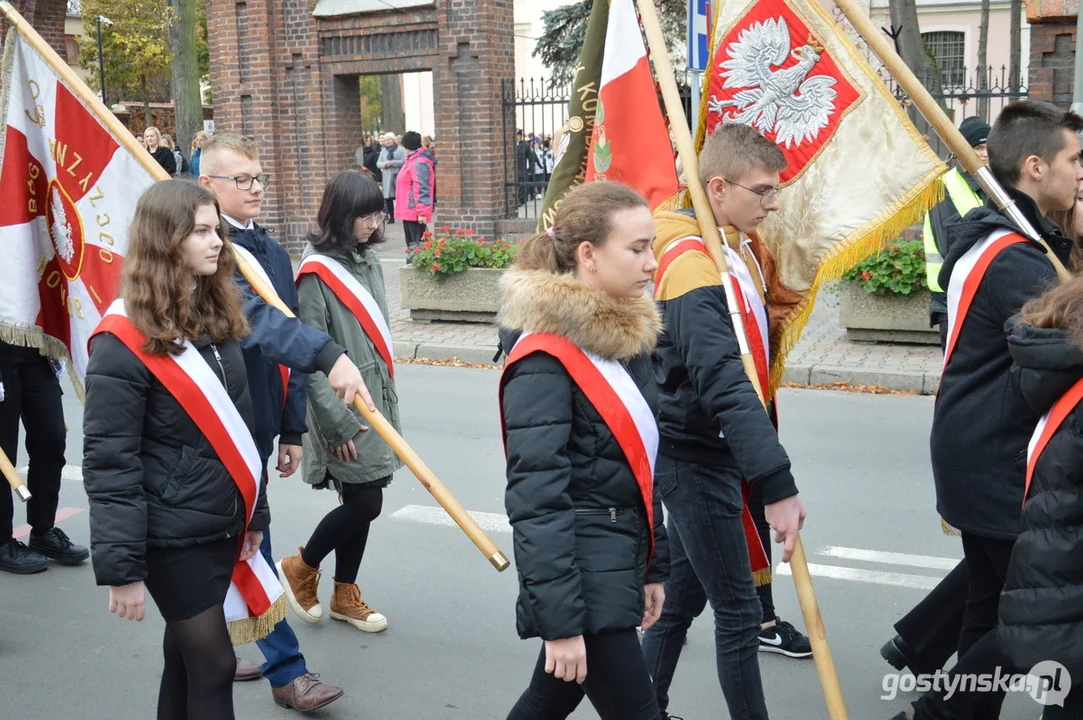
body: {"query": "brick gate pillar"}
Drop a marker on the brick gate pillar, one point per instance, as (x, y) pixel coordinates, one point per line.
(45, 16)
(1052, 50)
(473, 140)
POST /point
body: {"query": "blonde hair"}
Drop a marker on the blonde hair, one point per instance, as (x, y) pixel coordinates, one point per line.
(731, 151)
(585, 215)
(201, 134)
(225, 142)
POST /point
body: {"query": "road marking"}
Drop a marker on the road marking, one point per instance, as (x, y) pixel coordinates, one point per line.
(428, 515)
(890, 558)
(875, 577)
(72, 473)
(61, 515)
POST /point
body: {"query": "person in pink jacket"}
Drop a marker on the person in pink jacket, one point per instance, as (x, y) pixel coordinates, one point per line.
(414, 190)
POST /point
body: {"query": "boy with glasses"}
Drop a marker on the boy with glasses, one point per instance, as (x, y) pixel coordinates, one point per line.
(230, 168)
(714, 431)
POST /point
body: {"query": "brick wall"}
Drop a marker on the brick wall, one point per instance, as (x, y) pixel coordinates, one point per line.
(1052, 58)
(290, 81)
(46, 17)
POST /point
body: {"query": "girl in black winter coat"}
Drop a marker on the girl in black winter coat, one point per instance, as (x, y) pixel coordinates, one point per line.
(165, 514)
(1041, 607)
(589, 539)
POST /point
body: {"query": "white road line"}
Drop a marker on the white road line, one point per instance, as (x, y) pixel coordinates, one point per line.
(489, 522)
(890, 558)
(72, 473)
(875, 577)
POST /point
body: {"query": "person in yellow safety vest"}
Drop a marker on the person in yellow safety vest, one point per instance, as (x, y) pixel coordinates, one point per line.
(963, 195)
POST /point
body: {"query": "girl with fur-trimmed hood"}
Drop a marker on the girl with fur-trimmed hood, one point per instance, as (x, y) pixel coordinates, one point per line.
(578, 405)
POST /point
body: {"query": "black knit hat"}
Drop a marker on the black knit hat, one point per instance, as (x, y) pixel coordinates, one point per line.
(975, 130)
(411, 140)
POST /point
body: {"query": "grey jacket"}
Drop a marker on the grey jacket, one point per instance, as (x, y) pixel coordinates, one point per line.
(397, 156)
(330, 421)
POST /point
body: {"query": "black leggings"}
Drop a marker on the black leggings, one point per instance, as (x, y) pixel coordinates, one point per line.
(346, 530)
(197, 681)
(618, 684)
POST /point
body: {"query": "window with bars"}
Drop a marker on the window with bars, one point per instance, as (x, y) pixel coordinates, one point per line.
(949, 51)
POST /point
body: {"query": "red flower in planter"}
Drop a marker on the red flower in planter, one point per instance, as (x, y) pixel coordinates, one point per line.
(428, 245)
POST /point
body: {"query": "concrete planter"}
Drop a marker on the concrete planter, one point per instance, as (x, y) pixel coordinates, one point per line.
(885, 318)
(470, 296)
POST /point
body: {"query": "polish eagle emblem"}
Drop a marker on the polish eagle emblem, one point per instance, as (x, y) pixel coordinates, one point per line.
(782, 101)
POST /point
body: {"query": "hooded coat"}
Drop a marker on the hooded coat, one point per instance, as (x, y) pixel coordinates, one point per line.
(581, 535)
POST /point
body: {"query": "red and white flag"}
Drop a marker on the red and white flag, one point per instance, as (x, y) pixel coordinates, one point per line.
(630, 142)
(69, 192)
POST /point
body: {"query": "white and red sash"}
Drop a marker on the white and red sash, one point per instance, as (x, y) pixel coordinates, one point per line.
(753, 311)
(1047, 428)
(357, 299)
(254, 264)
(194, 385)
(966, 278)
(614, 394)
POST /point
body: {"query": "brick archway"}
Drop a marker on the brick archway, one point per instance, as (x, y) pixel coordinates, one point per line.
(288, 79)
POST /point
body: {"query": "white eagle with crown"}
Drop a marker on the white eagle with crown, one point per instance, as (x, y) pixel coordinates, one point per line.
(787, 102)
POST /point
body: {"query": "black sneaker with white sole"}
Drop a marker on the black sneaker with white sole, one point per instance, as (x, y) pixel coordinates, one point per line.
(783, 638)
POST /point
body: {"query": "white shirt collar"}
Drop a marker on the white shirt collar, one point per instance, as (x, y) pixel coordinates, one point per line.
(237, 224)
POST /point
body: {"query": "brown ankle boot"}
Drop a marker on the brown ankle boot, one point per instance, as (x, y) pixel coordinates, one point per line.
(347, 605)
(300, 583)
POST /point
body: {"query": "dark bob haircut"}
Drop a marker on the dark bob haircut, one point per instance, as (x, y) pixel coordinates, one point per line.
(348, 196)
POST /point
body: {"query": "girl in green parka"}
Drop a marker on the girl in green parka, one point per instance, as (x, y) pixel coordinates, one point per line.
(339, 268)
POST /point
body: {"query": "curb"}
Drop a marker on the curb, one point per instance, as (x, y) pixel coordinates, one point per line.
(915, 381)
(479, 354)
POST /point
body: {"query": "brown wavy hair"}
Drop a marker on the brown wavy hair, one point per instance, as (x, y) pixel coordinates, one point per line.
(1061, 307)
(165, 300)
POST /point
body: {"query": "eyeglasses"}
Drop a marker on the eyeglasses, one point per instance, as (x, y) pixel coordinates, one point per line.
(244, 182)
(373, 218)
(766, 196)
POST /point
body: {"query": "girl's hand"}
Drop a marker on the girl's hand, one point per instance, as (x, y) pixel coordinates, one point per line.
(128, 602)
(344, 452)
(567, 658)
(252, 541)
(655, 596)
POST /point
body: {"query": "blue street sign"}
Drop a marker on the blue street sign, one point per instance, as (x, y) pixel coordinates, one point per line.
(699, 28)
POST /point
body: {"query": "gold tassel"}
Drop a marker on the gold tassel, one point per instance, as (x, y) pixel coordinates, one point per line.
(251, 629)
(32, 336)
(948, 529)
(761, 577)
(874, 237)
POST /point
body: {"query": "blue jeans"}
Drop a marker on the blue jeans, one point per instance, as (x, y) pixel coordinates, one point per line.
(285, 663)
(708, 562)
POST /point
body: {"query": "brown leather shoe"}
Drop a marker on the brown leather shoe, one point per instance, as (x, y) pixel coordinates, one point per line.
(246, 671)
(347, 605)
(300, 583)
(306, 693)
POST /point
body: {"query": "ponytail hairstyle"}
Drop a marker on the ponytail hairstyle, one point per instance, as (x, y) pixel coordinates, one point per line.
(1061, 307)
(585, 214)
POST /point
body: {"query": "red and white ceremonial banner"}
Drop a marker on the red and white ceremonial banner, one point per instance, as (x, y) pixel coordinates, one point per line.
(357, 299)
(966, 278)
(630, 142)
(69, 192)
(616, 397)
(858, 172)
(192, 383)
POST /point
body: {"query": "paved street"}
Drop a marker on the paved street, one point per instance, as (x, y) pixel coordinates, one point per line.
(823, 356)
(451, 652)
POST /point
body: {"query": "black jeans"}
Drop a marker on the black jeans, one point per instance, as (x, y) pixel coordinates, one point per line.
(413, 231)
(32, 393)
(708, 557)
(617, 683)
(933, 627)
(987, 561)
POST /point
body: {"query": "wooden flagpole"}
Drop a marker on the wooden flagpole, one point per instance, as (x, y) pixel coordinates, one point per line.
(943, 126)
(13, 478)
(374, 419)
(810, 609)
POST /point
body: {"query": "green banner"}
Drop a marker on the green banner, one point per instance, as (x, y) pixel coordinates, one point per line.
(571, 161)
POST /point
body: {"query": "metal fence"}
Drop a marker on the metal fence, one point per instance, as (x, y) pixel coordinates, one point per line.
(538, 110)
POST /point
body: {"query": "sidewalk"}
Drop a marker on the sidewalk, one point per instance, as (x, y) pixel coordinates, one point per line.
(822, 357)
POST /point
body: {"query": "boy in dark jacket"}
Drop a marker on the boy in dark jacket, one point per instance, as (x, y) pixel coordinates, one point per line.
(231, 169)
(714, 430)
(980, 427)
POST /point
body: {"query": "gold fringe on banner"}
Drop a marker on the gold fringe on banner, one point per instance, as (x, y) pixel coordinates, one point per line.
(762, 577)
(879, 233)
(31, 336)
(249, 630)
(948, 529)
